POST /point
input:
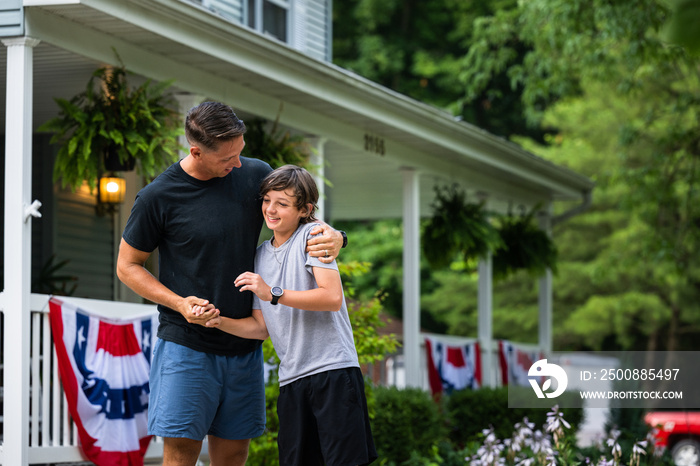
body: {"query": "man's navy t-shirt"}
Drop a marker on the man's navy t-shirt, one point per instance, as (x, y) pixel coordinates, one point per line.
(206, 233)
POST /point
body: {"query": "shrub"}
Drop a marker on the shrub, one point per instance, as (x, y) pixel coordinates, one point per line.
(406, 421)
(471, 411)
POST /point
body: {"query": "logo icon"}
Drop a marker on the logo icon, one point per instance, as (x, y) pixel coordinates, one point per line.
(551, 371)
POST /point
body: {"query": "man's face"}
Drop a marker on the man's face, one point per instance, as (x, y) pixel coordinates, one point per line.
(220, 162)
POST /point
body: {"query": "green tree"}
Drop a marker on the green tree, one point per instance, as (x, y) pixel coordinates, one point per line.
(588, 48)
(417, 47)
(613, 290)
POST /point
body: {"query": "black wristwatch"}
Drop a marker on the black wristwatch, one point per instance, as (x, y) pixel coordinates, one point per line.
(345, 238)
(277, 293)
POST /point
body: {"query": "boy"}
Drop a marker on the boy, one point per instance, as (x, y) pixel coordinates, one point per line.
(299, 303)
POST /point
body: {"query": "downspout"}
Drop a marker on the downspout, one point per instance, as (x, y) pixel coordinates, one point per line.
(585, 204)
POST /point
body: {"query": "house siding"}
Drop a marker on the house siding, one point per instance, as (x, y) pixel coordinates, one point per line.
(312, 20)
(11, 18)
(87, 240)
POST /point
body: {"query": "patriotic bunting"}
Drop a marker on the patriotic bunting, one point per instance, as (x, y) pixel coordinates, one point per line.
(452, 367)
(515, 362)
(104, 366)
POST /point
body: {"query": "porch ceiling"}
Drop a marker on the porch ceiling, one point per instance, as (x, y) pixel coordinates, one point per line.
(259, 76)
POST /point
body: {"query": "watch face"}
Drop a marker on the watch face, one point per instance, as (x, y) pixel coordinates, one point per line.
(276, 291)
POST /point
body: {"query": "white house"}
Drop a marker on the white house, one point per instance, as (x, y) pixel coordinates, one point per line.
(382, 151)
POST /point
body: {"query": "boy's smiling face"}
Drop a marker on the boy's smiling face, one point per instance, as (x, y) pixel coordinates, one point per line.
(281, 214)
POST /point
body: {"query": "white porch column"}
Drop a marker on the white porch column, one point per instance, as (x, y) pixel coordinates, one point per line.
(485, 321)
(18, 234)
(545, 295)
(318, 162)
(411, 278)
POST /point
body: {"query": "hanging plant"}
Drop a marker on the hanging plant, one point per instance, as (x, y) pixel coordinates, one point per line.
(525, 247)
(457, 229)
(275, 146)
(114, 124)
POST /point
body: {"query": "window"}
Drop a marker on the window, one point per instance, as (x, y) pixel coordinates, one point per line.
(270, 17)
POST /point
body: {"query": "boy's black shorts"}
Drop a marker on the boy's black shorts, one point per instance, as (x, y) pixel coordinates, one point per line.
(324, 420)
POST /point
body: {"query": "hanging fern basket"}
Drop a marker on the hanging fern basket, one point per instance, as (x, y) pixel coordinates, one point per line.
(457, 230)
(112, 126)
(525, 247)
(114, 163)
(275, 146)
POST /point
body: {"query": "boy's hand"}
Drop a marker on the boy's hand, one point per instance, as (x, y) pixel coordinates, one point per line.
(215, 322)
(249, 281)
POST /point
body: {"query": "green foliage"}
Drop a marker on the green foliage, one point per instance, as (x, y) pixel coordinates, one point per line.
(381, 244)
(263, 449)
(365, 322)
(109, 115)
(569, 42)
(627, 106)
(626, 279)
(410, 428)
(50, 281)
(462, 231)
(457, 229)
(525, 247)
(364, 317)
(682, 25)
(417, 49)
(630, 316)
(406, 420)
(275, 146)
(448, 296)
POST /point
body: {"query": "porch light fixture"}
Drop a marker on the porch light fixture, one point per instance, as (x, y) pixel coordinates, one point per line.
(112, 190)
(110, 193)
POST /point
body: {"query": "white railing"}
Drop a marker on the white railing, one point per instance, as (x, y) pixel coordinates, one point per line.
(53, 436)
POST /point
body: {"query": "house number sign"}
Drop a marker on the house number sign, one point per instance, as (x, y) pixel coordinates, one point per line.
(374, 144)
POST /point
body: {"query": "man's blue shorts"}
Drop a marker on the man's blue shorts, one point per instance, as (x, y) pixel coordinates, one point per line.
(194, 394)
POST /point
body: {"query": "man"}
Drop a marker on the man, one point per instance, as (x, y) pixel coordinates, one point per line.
(204, 216)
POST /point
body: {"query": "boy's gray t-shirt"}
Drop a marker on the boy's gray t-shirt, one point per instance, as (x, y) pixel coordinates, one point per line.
(307, 342)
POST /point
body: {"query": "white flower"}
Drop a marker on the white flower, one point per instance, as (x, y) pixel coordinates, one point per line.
(551, 460)
(490, 452)
(613, 443)
(640, 448)
(555, 420)
(524, 427)
(525, 462)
